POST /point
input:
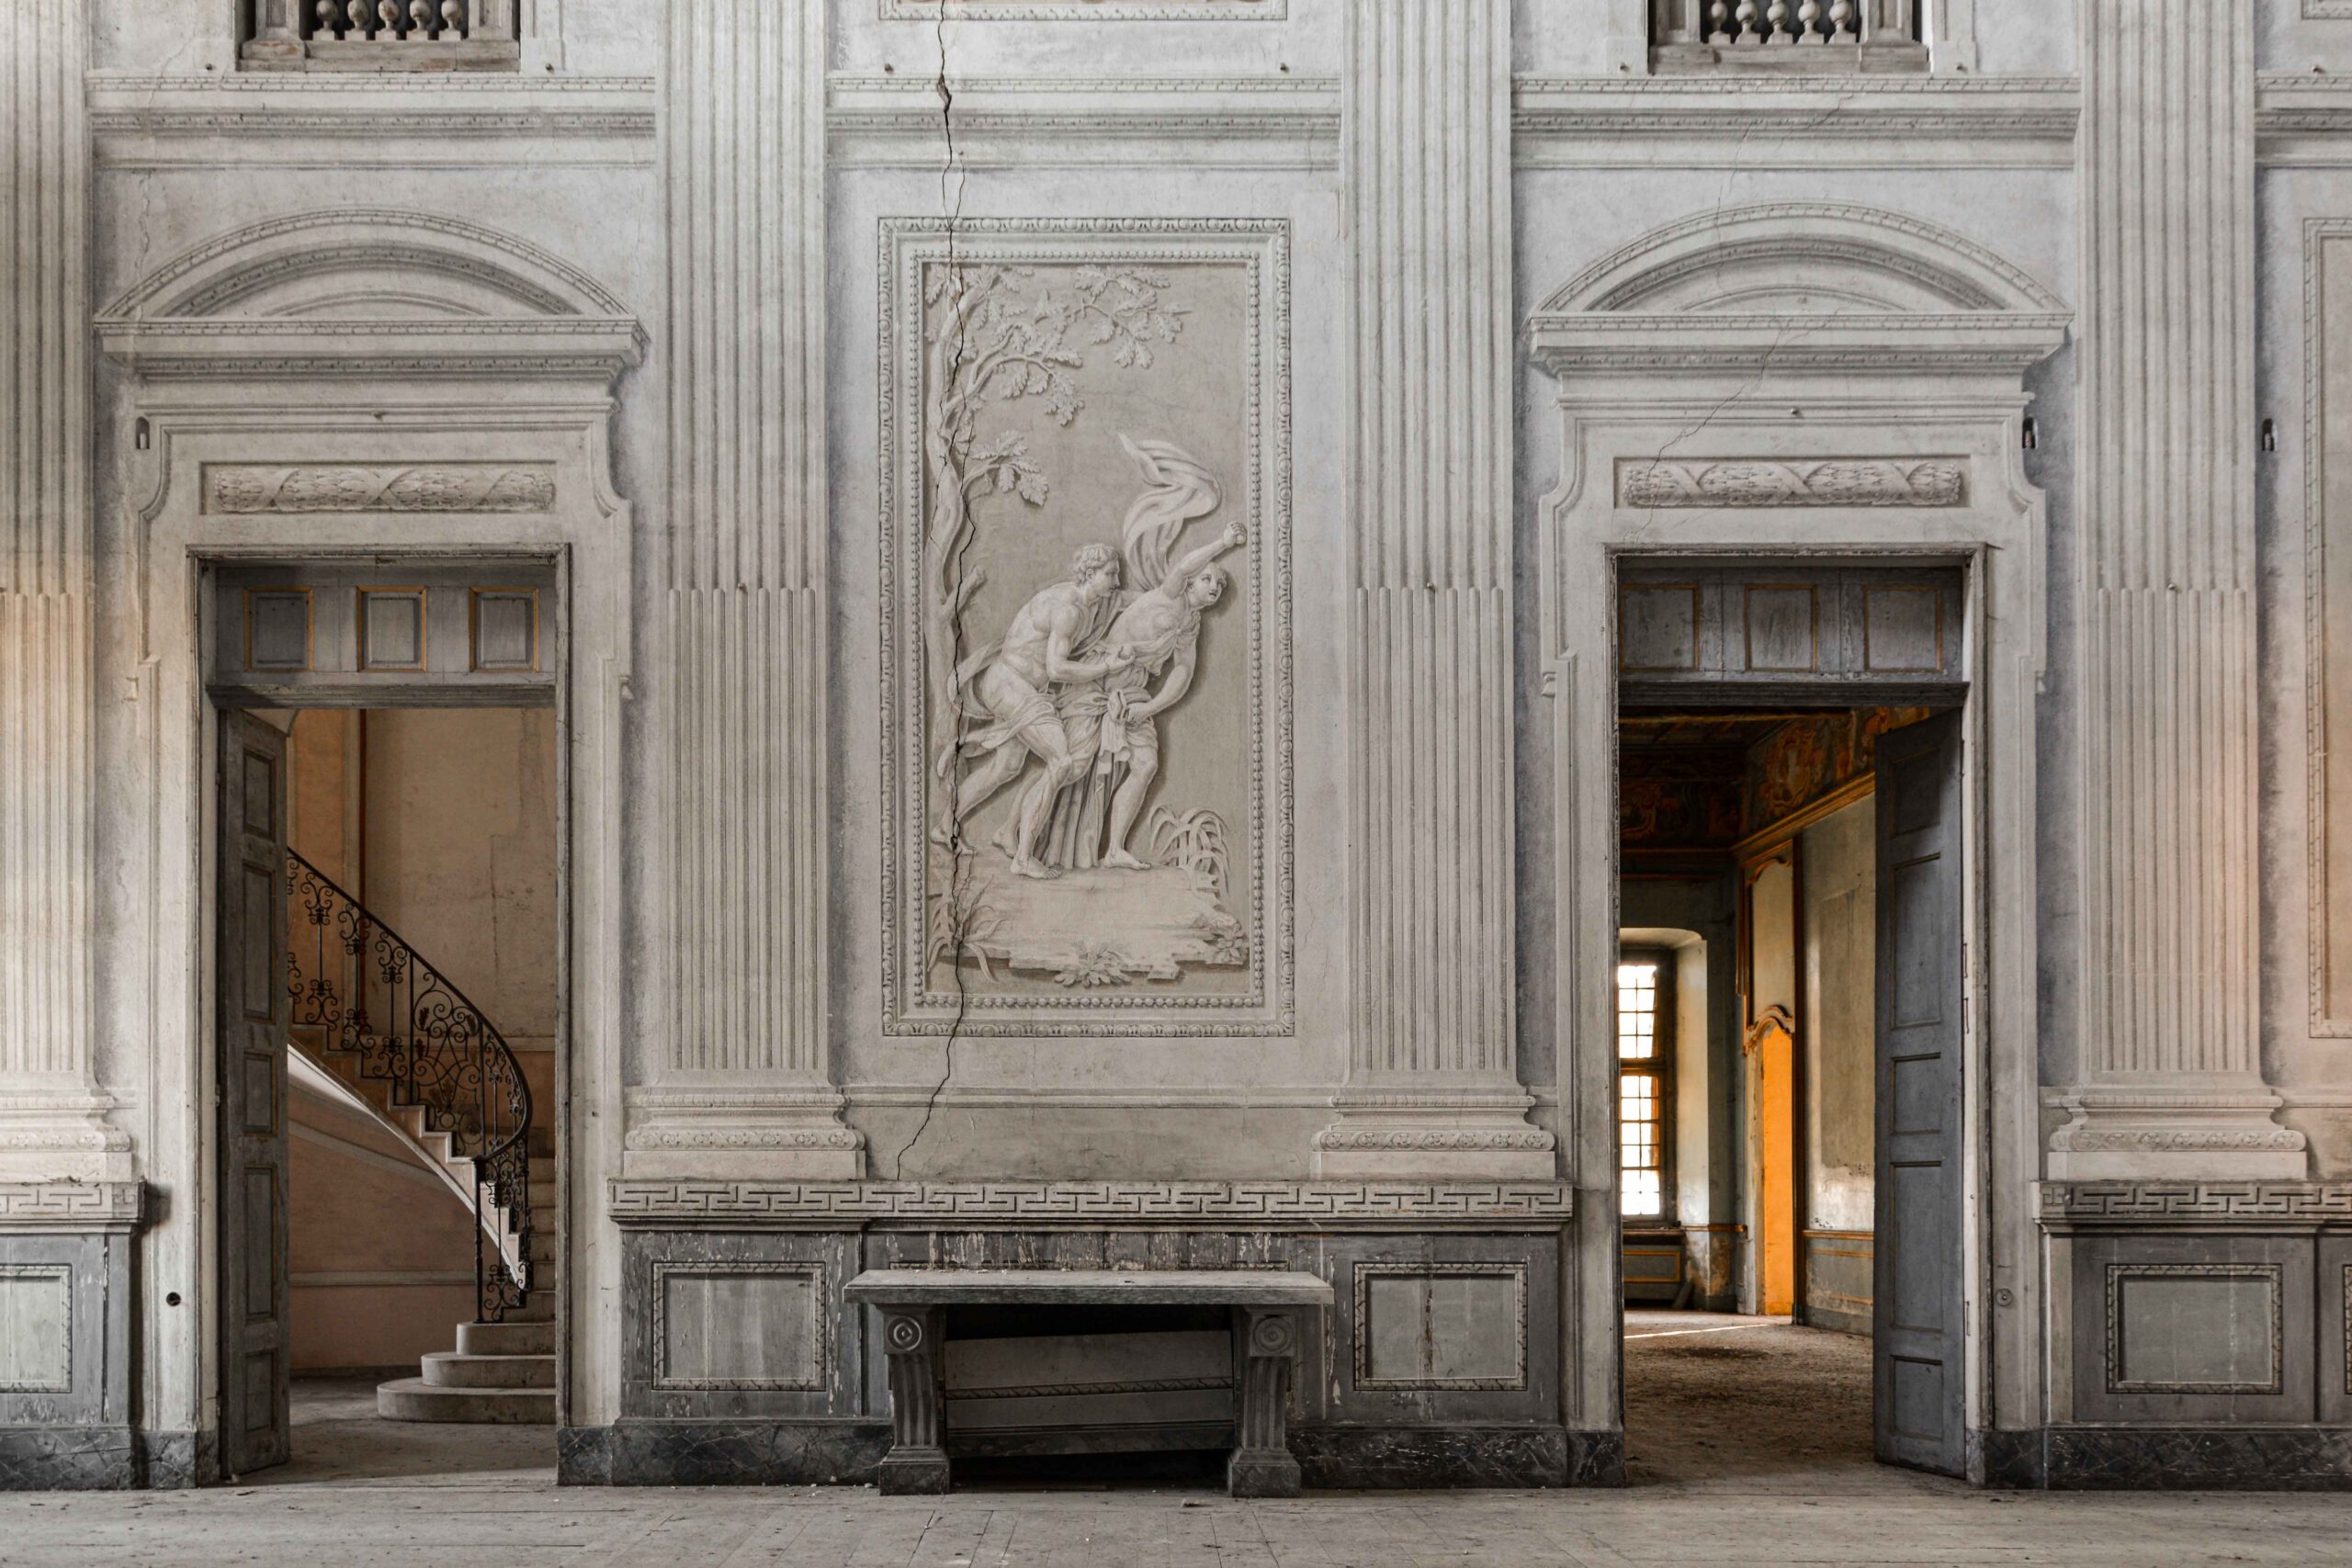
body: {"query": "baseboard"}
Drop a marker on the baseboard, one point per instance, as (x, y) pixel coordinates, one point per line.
(1416, 1457)
(721, 1453)
(2166, 1459)
(68, 1459)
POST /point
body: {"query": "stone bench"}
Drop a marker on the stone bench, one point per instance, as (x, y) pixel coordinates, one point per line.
(1267, 1305)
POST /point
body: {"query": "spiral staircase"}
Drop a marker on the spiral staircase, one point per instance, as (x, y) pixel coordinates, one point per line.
(398, 1040)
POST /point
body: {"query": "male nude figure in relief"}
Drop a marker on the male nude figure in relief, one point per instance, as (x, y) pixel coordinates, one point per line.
(1011, 684)
(1160, 628)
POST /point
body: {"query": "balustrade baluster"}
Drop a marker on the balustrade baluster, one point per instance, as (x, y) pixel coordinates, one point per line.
(1719, 22)
(453, 18)
(1841, 22)
(1776, 20)
(1748, 23)
(1809, 22)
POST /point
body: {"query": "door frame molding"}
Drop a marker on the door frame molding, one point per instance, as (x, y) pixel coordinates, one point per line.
(172, 863)
(1658, 375)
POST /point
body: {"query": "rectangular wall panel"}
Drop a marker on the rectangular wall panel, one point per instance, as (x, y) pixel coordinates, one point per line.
(738, 1326)
(36, 1327)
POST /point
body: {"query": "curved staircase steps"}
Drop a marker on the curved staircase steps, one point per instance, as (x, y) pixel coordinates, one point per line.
(509, 1338)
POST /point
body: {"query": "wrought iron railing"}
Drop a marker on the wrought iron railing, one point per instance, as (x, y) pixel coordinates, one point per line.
(361, 989)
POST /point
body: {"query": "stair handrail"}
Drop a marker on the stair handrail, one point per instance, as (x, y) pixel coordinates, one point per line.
(502, 1168)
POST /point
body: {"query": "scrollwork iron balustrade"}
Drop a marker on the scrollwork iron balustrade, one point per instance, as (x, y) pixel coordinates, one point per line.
(363, 990)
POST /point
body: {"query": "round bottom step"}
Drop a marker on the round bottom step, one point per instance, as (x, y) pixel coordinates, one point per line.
(414, 1399)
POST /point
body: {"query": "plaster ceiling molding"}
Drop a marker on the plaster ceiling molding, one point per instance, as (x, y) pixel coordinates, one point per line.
(1033, 121)
(370, 293)
(1799, 288)
(937, 11)
(368, 119)
(1756, 122)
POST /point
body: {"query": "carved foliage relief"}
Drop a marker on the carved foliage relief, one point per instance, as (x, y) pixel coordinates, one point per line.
(1086, 662)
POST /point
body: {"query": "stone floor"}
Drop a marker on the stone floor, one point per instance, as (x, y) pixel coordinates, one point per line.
(1749, 1443)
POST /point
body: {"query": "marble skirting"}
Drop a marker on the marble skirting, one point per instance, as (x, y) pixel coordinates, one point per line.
(721, 1453)
(68, 1459)
(2170, 1458)
(1416, 1458)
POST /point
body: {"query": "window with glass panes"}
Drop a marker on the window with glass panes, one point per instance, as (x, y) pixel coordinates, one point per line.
(1645, 1068)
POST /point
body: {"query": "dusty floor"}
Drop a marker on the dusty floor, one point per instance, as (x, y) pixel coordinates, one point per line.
(1749, 1443)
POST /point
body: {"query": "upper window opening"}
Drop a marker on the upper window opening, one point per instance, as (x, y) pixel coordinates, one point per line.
(380, 34)
(1801, 37)
(1644, 1069)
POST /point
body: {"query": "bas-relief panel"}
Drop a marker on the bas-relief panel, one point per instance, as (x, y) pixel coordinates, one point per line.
(1086, 660)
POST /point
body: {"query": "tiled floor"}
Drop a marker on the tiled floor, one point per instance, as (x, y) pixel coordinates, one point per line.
(1748, 1439)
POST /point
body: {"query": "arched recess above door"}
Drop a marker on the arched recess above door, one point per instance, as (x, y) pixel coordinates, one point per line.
(360, 292)
(1796, 286)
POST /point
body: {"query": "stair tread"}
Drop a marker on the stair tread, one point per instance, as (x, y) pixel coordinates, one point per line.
(414, 1399)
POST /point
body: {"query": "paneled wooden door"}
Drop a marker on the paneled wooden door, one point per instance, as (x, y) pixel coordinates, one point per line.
(255, 1340)
(1917, 1375)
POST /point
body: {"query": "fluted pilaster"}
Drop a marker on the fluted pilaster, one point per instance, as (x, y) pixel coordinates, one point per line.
(51, 1113)
(742, 676)
(2170, 1075)
(1432, 1083)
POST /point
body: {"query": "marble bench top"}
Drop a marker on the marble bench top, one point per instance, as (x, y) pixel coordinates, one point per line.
(1089, 1287)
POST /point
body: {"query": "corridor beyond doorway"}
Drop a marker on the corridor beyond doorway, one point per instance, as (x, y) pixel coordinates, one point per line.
(1717, 1398)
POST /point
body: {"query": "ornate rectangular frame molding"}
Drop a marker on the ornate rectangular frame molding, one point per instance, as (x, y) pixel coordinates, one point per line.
(1513, 1270)
(1261, 248)
(2325, 1023)
(820, 1325)
(2119, 1274)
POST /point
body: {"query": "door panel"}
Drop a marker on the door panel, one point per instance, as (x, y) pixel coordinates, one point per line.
(1918, 1315)
(255, 1348)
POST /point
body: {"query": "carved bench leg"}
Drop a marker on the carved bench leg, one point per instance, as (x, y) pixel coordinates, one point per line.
(1261, 1466)
(917, 1461)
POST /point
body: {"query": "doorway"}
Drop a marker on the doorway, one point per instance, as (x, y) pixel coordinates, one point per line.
(1788, 1032)
(390, 981)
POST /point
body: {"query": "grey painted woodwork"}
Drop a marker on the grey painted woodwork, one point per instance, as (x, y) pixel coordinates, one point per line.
(1752, 632)
(1268, 1305)
(255, 1352)
(378, 633)
(1917, 1369)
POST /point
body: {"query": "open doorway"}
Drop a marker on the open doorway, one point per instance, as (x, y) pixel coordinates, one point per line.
(1787, 1022)
(391, 1018)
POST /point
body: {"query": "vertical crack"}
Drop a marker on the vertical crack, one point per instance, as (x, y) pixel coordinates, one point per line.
(950, 203)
